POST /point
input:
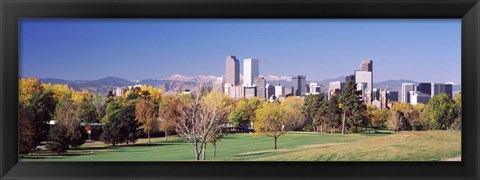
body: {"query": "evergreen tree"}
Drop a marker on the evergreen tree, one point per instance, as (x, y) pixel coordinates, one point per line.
(352, 106)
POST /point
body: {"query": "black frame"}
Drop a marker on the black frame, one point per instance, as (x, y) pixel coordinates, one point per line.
(467, 10)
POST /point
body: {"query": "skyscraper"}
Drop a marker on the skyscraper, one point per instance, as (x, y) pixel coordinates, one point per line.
(260, 83)
(406, 88)
(437, 88)
(418, 97)
(250, 71)
(232, 70)
(350, 77)
(425, 88)
(269, 91)
(392, 95)
(367, 65)
(299, 85)
(362, 87)
(367, 78)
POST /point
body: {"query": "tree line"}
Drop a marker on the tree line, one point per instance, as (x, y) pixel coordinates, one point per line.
(202, 119)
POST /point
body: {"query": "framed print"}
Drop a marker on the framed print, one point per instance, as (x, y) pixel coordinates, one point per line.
(239, 89)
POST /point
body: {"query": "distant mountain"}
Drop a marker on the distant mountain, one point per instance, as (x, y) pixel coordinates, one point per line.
(326, 82)
(392, 84)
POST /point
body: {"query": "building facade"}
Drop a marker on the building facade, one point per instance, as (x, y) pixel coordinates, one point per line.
(279, 90)
(299, 85)
(418, 97)
(438, 88)
(269, 91)
(250, 91)
(250, 71)
(260, 83)
(232, 70)
(406, 88)
(367, 78)
(425, 88)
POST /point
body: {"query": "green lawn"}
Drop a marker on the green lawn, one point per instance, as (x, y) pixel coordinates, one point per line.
(384, 146)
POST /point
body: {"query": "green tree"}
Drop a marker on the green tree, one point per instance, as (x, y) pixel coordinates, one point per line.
(440, 112)
(41, 106)
(243, 113)
(458, 108)
(120, 124)
(353, 109)
(332, 115)
(58, 139)
(313, 110)
(270, 120)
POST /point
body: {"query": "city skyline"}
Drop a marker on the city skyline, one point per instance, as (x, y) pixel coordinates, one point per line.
(74, 50)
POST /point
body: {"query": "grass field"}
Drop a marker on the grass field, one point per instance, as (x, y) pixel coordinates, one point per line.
(386, 146)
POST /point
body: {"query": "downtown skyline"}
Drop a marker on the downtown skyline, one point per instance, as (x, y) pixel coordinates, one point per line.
(419, 50)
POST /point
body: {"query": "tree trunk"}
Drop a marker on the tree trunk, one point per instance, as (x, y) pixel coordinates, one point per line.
(197, 154)
(343, 122)
(332, 130)
(214, 148)
(321, 128)
(166, 135)
(275, 142)
(148, 134)
(204, 151)
(113, 143)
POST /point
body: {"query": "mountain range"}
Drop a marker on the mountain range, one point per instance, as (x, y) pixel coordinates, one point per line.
(178, 81)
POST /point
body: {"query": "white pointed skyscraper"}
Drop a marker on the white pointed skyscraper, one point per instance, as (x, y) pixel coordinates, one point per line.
(250, 71)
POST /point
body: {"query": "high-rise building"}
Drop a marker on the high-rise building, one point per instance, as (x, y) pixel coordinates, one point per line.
(234, 91)
(425, 88)
(392, 96)
(367, 65)
(313, 88)
(335, 88)
(437, 88)
(418, 97)
(365, 77)
(279, 90)
(362, 87)
(384, 96)
(250, 91)
(299, 85)
(260, 83)
(250, 71)
(376, 94)
(232, 70)
(406, 88)
(269, 91)
(350, 77)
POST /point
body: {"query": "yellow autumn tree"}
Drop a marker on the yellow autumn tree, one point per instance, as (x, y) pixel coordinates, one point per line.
(270, 120)
(60, 91)
(27, 87)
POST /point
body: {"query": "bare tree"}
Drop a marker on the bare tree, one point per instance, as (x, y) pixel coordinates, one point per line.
(201, 118)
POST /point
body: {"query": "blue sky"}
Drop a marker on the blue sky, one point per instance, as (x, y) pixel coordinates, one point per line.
(136, 49)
